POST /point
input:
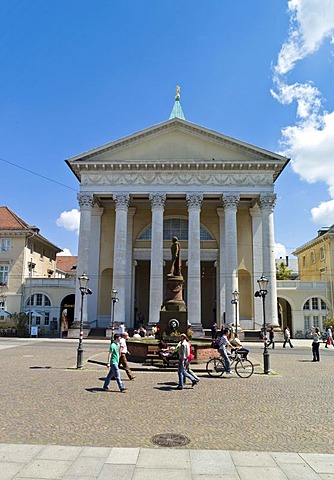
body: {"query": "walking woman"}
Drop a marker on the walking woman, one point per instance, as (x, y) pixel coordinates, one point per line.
(316, 345)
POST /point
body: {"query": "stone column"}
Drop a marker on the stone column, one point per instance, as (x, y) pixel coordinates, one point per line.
(230, 204)
(267, 203)
(194, 262)
(257, 262)
(157, 201)
(86, 202)
(221, 300)
(120, 250)
(129, 264)
(94, 263)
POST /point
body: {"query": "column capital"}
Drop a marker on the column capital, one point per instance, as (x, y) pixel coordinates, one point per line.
(267, 201)
(230, 200)
(194, 200)
(157, 200)
(121, 201)
(86, 200)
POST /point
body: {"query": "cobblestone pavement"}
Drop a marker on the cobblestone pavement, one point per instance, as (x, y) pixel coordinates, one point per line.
(45, 400)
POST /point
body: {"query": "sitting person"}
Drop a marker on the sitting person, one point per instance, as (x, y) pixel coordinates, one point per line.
(238, 345)
(136, 334)
(142, 331)
(163, 350)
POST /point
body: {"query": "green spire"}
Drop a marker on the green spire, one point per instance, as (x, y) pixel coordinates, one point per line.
(177, 111)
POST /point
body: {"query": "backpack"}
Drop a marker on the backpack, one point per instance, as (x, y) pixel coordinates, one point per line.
(191, 355)
(215, 343)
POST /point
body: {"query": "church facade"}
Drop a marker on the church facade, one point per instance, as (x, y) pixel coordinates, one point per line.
(213, 192)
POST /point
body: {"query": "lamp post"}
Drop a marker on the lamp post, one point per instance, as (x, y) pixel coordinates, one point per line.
(262, 292)
(114, 300)
(234, 301)
(84, 290)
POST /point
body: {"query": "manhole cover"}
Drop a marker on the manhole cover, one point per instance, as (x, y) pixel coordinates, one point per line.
(170, 440)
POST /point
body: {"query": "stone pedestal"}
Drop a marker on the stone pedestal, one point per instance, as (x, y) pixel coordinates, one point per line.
(75, 332)
(174, 307)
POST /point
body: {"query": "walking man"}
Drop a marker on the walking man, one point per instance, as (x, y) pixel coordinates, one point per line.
(112, 364)
(287, 337)
(122, 359)
(271, 337)
(329, 337)
(184, 352)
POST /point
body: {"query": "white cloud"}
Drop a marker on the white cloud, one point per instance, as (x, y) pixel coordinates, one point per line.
(280, 250)
(64, 253)
(324, 213)
(311, 22)
(70, 220)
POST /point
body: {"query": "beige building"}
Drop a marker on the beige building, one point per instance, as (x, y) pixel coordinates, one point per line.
(308, 301)
(28, 274)
(214, 192)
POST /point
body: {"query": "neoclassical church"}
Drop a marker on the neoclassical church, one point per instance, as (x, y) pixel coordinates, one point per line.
(213, 192)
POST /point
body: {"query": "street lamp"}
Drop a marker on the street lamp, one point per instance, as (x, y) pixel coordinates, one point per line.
(84, 290)
(262, 292)
(234, 301)
(114, 300)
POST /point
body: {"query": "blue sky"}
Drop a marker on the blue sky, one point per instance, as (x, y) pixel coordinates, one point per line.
(76, 74)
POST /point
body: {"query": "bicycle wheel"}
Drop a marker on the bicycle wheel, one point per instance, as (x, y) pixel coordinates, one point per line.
(244, 368)
(215, 367)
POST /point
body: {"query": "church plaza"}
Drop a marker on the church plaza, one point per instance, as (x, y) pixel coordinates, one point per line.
(59, 424)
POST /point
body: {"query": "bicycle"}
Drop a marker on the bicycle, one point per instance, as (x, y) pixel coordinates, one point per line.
(243, 367)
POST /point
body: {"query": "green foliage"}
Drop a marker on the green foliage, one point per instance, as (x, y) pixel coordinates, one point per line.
(21, 321)
(282, 271)
(328, 323)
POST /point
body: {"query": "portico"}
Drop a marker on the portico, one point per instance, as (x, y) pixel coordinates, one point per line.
(215, 193)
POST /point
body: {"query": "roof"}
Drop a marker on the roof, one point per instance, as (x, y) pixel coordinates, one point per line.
(65, 263)
(177, 111)
(323, 234)
(10, 222)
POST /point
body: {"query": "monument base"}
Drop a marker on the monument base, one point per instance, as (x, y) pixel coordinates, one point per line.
(167, 316)
(75, 332)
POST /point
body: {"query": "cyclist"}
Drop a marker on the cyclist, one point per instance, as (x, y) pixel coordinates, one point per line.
(236, 343)
(223, 344)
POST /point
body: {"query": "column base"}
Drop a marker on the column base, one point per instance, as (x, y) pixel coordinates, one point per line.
(197, 330)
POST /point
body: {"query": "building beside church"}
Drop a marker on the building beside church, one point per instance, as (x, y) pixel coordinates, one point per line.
(215, 193)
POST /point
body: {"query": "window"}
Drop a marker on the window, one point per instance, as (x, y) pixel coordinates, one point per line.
(323, 305)
(2, 306)
(38, 300)
(38, 320)
(306, 305)
(5, 245)
(46, 318)
(314, 303)
(306, 323)
(4, 270)
(313, 256)
(304, 260)
(322, 253)
(175, 227)
(315, 321)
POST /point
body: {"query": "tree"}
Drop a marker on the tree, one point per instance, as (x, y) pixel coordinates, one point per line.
(282, 271)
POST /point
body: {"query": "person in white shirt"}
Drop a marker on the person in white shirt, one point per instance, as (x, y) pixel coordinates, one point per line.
(122, 358)
(121, 329)
(329, 337)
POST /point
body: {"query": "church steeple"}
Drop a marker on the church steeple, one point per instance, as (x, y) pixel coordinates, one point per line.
(177, 111)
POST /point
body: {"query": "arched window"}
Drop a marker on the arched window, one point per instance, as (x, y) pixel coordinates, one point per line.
(177, 227)
(315, 310)
(38, 300)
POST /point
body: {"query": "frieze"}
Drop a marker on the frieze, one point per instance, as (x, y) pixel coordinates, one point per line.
(178, 178)
(86, 200)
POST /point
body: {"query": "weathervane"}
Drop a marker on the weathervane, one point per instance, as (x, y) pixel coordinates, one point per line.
(177, 96)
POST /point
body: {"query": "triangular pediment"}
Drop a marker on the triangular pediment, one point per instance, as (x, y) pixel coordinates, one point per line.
(176, 141)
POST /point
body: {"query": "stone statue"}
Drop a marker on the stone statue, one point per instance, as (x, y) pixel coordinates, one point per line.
(175, 268)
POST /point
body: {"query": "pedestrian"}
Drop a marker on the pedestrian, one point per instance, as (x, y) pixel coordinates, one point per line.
(287, 337)
(190, 358)
(316, 345)
(214, 330)
(184, 352)
(123, 359)
(329, 336)
(112, 364)
(223, 344)
(272, 337)
(121, 328)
